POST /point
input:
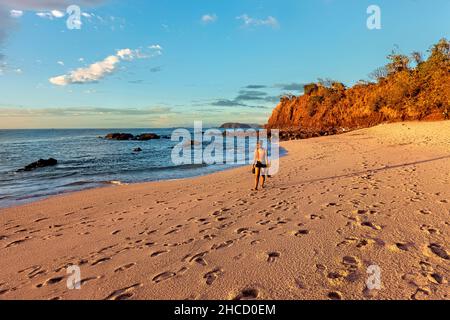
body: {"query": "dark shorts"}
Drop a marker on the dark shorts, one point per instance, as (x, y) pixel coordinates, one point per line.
(260, 165)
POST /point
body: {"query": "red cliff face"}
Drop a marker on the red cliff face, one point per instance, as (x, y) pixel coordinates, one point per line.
(287, 114)
(400, 93)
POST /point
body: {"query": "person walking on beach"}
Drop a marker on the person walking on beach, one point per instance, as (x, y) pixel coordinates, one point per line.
(260, 164)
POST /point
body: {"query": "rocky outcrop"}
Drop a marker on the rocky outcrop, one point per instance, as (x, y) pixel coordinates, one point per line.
(147, 136)
(401, 93)
(41, 163)
(129, 136)
(119, 136)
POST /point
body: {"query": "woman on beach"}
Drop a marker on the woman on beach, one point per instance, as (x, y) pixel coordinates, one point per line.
(260, 163)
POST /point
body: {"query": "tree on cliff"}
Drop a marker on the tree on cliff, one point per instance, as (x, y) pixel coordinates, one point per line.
(401, 91)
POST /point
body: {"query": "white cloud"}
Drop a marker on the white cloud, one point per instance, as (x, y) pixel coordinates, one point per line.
(51, 14)
(99, 70)
(16, 13)
(155, 47)
(57, 13)
(46, 15)
(209, 18)
(253, 22)
(61, 63)
(92, 73)
(155, 50)
(126, 54)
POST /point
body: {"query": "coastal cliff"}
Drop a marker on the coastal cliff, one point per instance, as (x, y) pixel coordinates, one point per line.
(399, 92)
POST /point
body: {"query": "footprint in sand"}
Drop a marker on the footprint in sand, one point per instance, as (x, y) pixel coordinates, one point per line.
(213, 275)
(125, 267)
(3, 291)
(350, 261)
(301, 233)
(15, 243)
(182, 271)
(197, 258)
(163, 276)
(87, 280)
(335, 295)
(99, 261)
(371, 225)
(200, 261)
(336, 277)
(348, 241)
(439, 251)
(50, 281)
(403, 246)
(364, 242)
(172, 231)
(158, 253)
(247, 294)
(33, 271)
(429, 229)
(436, 278)
(420, 294)
(222, 245)
(123, 294)
(272, 256)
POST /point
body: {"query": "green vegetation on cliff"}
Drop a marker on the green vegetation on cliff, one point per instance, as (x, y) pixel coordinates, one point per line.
(407, 88)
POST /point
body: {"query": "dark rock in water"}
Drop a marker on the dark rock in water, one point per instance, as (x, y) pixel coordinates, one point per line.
(137, 150)
(129, 136)
(119, 136)
(41, 163)
(147, 136)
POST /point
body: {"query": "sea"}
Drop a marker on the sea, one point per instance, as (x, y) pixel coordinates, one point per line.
(87, 160)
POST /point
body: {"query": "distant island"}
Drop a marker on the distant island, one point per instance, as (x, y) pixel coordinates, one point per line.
(235, 125)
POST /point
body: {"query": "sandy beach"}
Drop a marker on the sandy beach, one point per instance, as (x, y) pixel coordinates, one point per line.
(339, 204)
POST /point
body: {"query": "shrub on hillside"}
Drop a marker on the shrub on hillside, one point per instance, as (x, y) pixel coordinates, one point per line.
(401, 92)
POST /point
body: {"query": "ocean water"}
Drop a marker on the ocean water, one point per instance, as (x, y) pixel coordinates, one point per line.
(86, 161)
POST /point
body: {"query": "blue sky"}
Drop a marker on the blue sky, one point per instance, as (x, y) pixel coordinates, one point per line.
(186, 60)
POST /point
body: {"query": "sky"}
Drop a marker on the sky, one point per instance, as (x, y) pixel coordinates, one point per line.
(168, 63)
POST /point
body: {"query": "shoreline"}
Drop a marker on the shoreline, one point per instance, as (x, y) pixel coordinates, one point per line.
(311, 234)
(118, 183)
(82, 185)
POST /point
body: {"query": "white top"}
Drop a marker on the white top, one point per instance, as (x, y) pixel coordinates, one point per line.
(261, 156)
